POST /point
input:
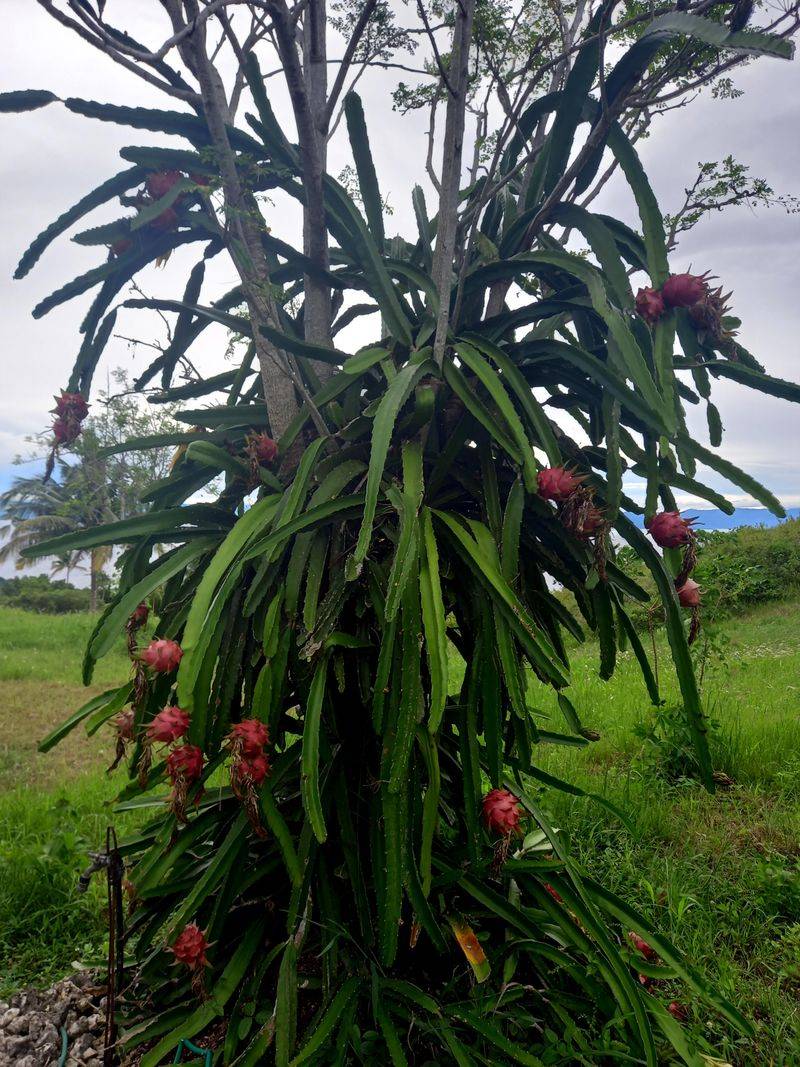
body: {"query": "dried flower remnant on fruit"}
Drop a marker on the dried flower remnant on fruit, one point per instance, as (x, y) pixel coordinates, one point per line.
(253, 769)
(708, 313)
(139, 616)
(124, 724)
(185, 768)
(250, 767)
(589, 523)
(136, 620)
(123, 728)
(65, 431)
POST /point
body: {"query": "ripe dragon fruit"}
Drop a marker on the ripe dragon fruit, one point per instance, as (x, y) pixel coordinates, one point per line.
(689, 594)
(138, 617)
(120, 246)
(168, 725)
(185, 763)
(262, 449)
(683, 290)
(190, 947)
(167, 220)
(253, 768)
(249, 737)
(557, 483)
(650, 305)
(160, 183)
(124, 724)
(642, 947)
(669, 530)
(65, 431)
(71, 406)
(678, 1011)
(162, 655)
(501, 812)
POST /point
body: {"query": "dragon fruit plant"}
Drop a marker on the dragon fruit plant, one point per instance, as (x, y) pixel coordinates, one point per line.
(360, 834)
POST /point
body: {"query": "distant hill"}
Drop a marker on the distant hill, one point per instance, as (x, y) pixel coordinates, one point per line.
(714, 519)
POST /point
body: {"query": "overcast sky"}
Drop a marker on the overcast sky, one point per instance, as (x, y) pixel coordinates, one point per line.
(51, 157)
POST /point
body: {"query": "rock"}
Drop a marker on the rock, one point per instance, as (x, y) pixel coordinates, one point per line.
(19, 1025)
(49, 1037)
(31, 1020)
(77, 1028)
(16, 1045)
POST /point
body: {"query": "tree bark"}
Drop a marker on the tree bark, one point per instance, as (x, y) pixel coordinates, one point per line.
(307, 87)
(93, 572)
(245, 226)
(451, 171)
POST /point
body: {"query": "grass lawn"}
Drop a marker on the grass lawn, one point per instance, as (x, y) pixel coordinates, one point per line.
(52, 806)
(719, 875)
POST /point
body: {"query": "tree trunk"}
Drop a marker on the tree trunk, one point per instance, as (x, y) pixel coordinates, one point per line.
(93, 580)
(245, 226)
(451, 170)
(307, 87)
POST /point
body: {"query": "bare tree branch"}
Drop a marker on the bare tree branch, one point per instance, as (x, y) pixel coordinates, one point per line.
(344, 64)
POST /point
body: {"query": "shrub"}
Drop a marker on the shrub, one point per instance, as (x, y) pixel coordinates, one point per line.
(40, 594)
(748, 566)
(736, 570)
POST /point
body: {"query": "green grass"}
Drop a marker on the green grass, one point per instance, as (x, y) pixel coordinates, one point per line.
(53, 807)
(720, 875)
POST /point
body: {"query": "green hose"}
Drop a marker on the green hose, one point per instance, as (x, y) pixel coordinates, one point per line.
(64, 1043)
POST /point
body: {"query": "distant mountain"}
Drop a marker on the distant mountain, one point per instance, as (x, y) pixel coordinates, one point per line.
(714, 519)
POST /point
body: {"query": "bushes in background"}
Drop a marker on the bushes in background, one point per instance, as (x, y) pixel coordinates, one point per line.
(39, 593)
(736, 569)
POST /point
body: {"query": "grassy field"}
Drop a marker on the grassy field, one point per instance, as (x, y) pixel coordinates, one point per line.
(719, 875)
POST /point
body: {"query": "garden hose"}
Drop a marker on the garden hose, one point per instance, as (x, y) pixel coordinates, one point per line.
(62, 1059)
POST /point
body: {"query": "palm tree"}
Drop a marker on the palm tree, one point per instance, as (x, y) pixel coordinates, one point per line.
(91, 487)
(36, 510)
